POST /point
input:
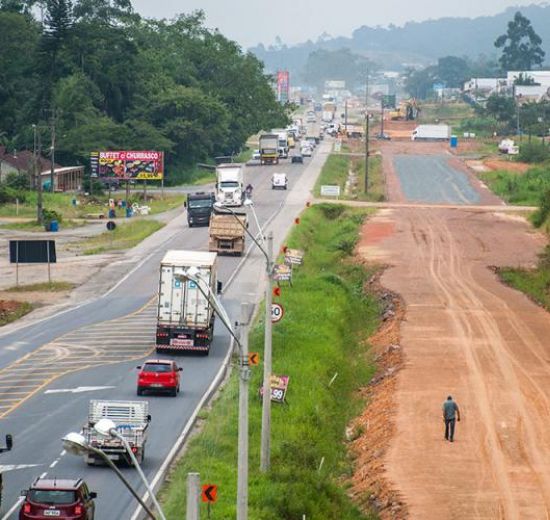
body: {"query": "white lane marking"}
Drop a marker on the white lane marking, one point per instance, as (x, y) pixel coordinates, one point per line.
(77, 390)
(12, 467)
(43, 474)
(54, 463)
(63, 453)
(13, 508)
(185, 432)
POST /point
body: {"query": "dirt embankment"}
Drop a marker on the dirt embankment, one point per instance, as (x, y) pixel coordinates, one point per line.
(457, 330)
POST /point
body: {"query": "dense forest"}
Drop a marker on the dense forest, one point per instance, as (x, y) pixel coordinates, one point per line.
(412, 44)
(111, 79)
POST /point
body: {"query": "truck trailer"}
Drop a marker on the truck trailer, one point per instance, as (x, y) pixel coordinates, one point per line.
(185, 316)
(227, 233)
(431, 133)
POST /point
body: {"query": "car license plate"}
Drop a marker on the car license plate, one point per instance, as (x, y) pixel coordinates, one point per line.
(114, 457)
(52, 512)
(177, 342)
(157, 385)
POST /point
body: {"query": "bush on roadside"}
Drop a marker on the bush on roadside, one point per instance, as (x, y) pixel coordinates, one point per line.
(18, 181)
(543, 213)
(49, 214)
(9, 195)
(534, 152)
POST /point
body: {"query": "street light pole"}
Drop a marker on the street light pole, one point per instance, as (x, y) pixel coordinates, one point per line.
(265, 459)
(244, 376)
(76, 444)
(265, 448)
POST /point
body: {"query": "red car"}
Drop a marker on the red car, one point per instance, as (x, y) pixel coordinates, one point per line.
(159, 375)
(68, 499)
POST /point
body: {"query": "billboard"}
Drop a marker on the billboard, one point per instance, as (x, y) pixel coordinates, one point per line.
(283, 86)
(126, 165)
(334, 84)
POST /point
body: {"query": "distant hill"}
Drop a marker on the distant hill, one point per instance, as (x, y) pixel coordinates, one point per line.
(416, 43)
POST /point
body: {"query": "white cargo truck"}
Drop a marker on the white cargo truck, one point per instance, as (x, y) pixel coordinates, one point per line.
(431, 133)
(131, 419)
(282, 142)
(185, 317)
(230, 184)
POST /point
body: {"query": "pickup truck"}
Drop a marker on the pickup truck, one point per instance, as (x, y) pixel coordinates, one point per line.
(132, 421)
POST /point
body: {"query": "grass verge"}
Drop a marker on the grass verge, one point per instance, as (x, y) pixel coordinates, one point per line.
(42, 287)
(124, 236)
(12, 311)
(34, 227)
(321, 338)
(335, 172)
(533, 282)
(524, 189)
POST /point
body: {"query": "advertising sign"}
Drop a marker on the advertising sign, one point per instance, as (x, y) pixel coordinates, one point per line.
(127, 165)
(279, 387)
(32, 252)
(294, 256)
(283, 86)
(282, 273)
(329, 190)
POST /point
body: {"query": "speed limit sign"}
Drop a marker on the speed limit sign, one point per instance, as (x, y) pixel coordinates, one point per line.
(277, 312)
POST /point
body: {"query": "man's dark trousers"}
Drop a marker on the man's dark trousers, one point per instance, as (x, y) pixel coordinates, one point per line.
(450, 429)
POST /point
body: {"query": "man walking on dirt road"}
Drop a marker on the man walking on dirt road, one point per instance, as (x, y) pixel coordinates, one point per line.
(450, 408)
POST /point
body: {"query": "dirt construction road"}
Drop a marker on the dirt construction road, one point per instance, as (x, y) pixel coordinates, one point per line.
(467, 335)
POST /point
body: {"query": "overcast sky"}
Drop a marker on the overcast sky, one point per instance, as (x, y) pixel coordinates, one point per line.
(253, 21)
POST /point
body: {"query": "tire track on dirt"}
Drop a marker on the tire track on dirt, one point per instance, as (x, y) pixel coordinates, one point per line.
(510, 371)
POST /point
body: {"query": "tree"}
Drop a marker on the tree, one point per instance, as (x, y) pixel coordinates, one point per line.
(502, 108)
(521, 45)
(419, 83)
(453, 71)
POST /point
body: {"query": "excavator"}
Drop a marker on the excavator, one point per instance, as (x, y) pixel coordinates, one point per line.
(407, 110)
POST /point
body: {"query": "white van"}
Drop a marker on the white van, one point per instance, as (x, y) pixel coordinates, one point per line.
(279, 181)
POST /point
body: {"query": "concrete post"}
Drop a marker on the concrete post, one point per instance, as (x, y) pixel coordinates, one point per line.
(265, 461)
(244, 376)
(193, 496)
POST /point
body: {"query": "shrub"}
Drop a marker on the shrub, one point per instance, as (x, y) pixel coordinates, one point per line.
(50, 214)
(534, 152)
(18, 181)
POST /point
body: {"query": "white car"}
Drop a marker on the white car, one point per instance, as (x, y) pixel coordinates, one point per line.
(256, 155)
(279, 181)
(306, 151)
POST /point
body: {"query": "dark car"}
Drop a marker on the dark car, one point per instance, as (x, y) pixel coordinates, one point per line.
(159, 375)
(58, 498)
(297, 159)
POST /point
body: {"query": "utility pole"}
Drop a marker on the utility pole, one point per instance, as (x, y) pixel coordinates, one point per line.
(346, 117)
(52, 150)
(367, 134)
(265, 461)
(242, 464)
(37, 174)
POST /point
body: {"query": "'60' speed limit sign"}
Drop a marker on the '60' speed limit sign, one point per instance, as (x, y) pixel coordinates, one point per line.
(277, 312)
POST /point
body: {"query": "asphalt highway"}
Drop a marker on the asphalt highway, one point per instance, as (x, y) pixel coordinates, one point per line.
(100, 343)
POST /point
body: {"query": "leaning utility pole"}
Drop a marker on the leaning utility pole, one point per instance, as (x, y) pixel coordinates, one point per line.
(265, 461)
(367, 134)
